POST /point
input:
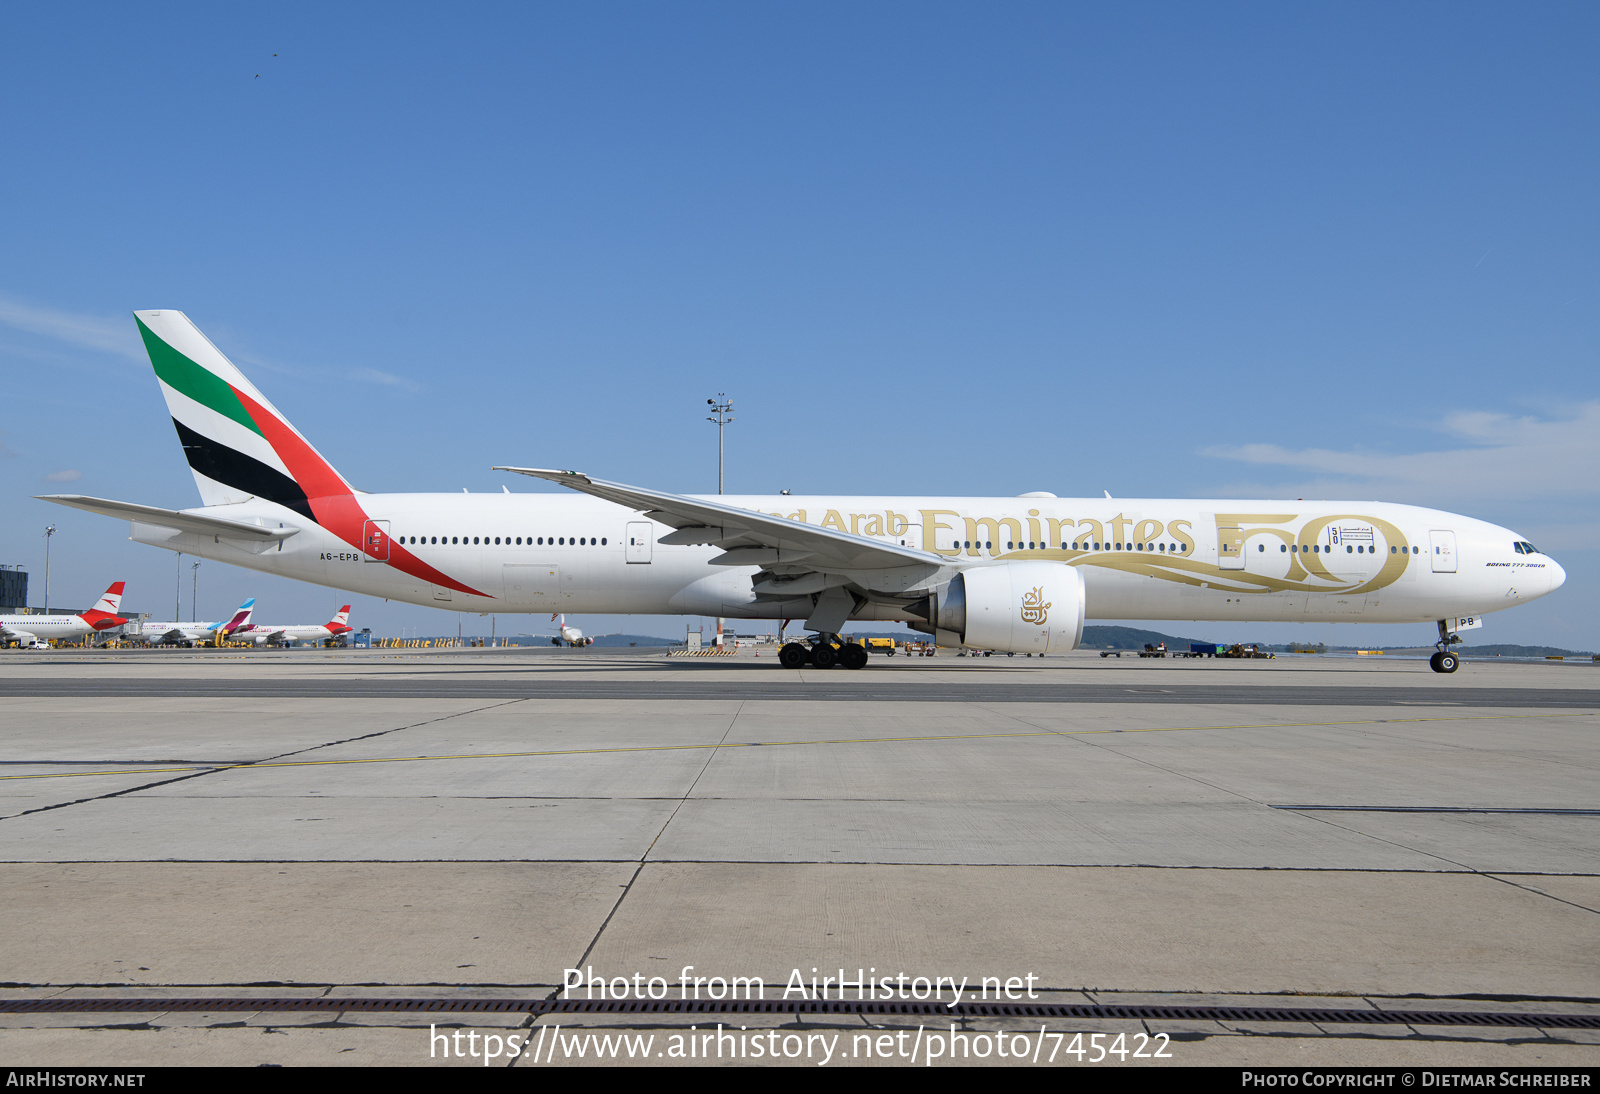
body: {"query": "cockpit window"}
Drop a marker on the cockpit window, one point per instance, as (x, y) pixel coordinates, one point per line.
(1518, 548)
(1525, 548)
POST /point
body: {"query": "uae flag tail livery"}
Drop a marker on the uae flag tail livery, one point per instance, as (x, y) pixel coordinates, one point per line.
(239, 447)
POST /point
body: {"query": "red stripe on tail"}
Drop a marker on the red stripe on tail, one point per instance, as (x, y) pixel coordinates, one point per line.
(332, 500)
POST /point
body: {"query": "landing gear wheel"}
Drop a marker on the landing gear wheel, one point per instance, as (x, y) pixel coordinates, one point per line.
(1433, 662)
(793, 655)
(1446, 662)
(824, 656)
(853, 657)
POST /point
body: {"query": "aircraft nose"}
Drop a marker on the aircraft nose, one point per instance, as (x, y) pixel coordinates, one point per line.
(1558, 576)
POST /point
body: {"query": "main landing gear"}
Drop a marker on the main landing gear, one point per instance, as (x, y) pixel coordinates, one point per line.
(823, 654)
(1444, 660)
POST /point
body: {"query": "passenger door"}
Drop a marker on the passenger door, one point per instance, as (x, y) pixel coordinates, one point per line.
(641, 535)
(1230, 547)
(1444, 551)
(375, 541)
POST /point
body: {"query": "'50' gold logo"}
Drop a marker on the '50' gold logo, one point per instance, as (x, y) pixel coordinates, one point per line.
(1034, 609)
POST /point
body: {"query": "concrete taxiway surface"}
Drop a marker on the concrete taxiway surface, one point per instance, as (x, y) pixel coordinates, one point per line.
(1357, 833)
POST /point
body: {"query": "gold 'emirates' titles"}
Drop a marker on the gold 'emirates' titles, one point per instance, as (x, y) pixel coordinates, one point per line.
(1127, 533)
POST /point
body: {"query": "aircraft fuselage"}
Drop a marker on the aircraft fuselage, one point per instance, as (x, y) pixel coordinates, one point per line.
(1140, 559)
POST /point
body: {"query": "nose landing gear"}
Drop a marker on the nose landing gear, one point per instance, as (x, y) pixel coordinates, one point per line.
(1445, 660)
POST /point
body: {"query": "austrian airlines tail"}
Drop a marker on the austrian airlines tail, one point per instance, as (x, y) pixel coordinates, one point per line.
(340, 621)
(104, 614)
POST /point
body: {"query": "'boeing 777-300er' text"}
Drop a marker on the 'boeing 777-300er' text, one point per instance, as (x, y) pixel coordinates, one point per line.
(1013, 574)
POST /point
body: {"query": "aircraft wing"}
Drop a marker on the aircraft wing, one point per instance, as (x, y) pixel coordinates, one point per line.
(748, 538)
(16, 632)
(171, 518)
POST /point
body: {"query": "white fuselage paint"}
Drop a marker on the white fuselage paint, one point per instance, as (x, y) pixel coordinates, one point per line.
(258, 633)
(1123, 548)
(175, 633)
(48, 628)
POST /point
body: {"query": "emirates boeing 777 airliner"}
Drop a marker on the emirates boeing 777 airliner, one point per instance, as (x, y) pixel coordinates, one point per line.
(1013, 574)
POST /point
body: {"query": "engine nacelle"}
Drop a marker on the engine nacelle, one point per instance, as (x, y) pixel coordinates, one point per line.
(1014, 607)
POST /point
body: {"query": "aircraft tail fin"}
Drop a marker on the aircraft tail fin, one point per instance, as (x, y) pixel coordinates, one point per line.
(238, 445)
(240, 617)
(104, 613)
(340, 621)
(111, 602)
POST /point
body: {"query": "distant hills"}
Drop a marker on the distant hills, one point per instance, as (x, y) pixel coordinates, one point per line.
(1130, 638)
(1506, 649)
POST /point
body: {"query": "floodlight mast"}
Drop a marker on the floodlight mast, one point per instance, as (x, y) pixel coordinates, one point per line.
(721, 408)
(50, 530)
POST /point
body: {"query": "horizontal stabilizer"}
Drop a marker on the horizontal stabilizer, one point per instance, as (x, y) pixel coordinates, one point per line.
(194, 523)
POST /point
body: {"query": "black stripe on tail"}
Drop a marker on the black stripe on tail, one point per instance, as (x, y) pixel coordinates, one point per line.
(233, 468)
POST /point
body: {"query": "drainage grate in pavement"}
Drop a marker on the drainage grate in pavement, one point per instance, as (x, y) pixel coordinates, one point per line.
(1058, 1011)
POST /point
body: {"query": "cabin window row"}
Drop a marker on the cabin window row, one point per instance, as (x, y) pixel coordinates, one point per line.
(1316, 548)
(508, 541)
(1090, 545)
(1085, 545)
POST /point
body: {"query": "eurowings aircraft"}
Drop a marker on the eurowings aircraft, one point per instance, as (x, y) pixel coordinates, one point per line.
(37, 631)
(187, 634)
(1015, 574)
(265, 633)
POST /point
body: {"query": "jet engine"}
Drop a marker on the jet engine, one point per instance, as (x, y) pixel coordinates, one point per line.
(1014, 607)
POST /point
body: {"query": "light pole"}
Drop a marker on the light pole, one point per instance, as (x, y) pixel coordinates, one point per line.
(49, 530)
(720, 408)
(177, 590)
(194, 608)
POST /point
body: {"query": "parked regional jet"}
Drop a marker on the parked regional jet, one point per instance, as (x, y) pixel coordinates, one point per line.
(263, 634)
(38, 631)
(1015, 574)
(187, 634)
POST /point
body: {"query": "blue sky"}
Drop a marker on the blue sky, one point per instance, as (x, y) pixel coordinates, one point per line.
(1162, 250)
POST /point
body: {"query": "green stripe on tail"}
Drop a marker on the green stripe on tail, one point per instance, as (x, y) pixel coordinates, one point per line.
(199, 384)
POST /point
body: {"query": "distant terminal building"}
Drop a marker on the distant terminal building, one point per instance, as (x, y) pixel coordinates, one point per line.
(13, 589)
